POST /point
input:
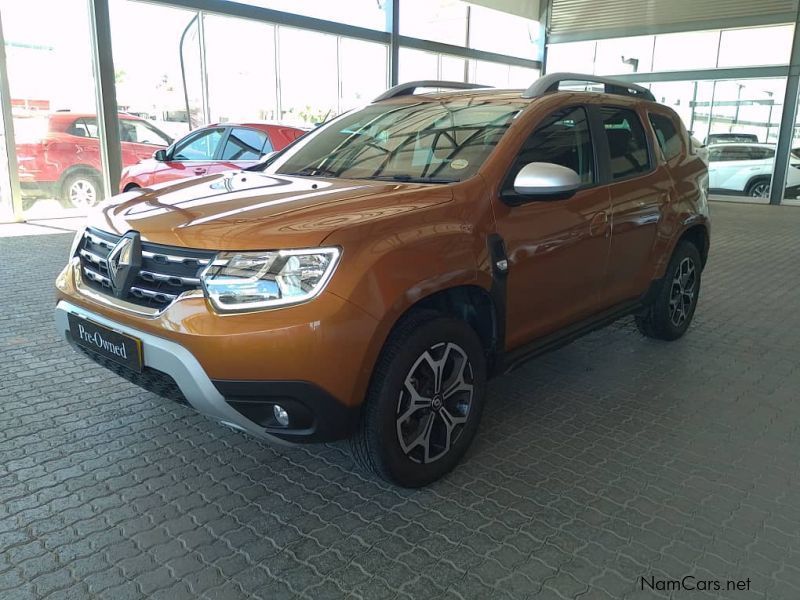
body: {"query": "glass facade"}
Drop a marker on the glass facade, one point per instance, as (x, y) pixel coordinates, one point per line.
(737, 118)
(6, 207)
(685, 51)
(417, 64)
(178, 68)
(54, 106)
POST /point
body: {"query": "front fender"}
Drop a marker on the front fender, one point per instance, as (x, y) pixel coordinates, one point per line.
(388, 265)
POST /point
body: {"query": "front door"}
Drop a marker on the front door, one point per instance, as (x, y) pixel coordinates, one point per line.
(557, 248)
(194, 155)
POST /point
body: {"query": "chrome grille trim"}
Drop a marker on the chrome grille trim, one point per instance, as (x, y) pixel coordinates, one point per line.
(153, 294)
(98, 240)
(92, 257)
(167, 278)
(167, 273)
(174, 259)
(95, 276)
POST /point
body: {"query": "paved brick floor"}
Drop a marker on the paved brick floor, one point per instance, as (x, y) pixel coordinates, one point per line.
(614, 458)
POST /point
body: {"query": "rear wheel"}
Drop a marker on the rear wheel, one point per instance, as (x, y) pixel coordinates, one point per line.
(425, 401)
(81, 189)
(675, 296)
(758, 188)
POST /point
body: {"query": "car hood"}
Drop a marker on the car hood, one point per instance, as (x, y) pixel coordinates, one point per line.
(246, 210)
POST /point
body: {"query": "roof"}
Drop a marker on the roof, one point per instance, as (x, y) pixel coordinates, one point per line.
(256, 124)
(544, 86)
(741, 144)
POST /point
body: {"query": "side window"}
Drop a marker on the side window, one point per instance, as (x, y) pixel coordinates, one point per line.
(140, 132)
(199, 147)
(246, 144)
(667, 135)
(759, 153)
(84, 128)
(563, 138)
(627, 142)
(734, 153)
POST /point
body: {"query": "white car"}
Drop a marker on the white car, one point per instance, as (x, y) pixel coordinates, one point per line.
(747, 169)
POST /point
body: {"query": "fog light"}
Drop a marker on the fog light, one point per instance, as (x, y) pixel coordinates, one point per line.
(280, 414)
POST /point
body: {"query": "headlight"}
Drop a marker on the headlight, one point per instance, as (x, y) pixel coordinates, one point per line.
(243, 281)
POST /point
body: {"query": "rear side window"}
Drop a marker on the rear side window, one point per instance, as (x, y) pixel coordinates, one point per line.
(758, 153)
(667, 135)
(627, 142)
(729, 154)
(562, 139)
(246, 144)
(84, 128)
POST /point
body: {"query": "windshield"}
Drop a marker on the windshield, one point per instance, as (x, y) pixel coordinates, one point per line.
(431, 142)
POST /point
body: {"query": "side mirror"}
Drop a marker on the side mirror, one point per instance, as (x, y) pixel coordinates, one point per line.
(546, 181)
(160, 155)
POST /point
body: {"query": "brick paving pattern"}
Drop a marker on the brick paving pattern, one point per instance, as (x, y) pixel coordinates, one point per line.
(614, 458)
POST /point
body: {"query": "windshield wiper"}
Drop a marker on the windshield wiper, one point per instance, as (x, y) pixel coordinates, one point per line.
(313, 172)
(409, 179)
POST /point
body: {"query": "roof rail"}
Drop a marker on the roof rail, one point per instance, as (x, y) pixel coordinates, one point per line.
(407, 89)
(549, 83)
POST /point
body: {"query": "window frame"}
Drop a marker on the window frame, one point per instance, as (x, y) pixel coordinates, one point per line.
(507, 193)
(194, 136)
(648, 136)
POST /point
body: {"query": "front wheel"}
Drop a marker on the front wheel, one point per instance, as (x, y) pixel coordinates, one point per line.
(81, 190)
(669, 313)
(425, 401)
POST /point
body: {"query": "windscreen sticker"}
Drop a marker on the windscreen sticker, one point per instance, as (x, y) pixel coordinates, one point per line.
(459, 164)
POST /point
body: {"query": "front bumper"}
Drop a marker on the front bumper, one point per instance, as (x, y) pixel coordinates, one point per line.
(171, 370)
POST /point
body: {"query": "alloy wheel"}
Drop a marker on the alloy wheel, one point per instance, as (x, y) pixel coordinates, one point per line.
(683, 292)
(82, 193)
(760, 190)
(435, 402)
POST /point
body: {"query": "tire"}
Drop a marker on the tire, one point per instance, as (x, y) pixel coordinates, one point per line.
(674, 298)
(81, 189)
(409, 446)
(758, 188)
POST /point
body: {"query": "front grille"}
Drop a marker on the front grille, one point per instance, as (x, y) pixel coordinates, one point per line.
(166, 273)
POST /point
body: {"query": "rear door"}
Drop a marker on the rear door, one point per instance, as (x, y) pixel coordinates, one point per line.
(243, 148)
(641, 188)
(557, 248)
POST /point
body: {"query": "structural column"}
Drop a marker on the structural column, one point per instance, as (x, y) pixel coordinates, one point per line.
(393, 27)
(788, 116)
(8, 131)
(108, 113)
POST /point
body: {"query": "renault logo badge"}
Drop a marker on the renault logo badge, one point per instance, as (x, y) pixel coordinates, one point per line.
(124, 263)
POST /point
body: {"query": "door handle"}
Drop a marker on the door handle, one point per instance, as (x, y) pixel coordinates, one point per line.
(199, 171)
(599, 224)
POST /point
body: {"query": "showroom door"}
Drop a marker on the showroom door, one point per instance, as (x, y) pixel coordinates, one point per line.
(556, 248)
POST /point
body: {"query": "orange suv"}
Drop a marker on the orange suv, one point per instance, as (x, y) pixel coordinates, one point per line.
(366, 281)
